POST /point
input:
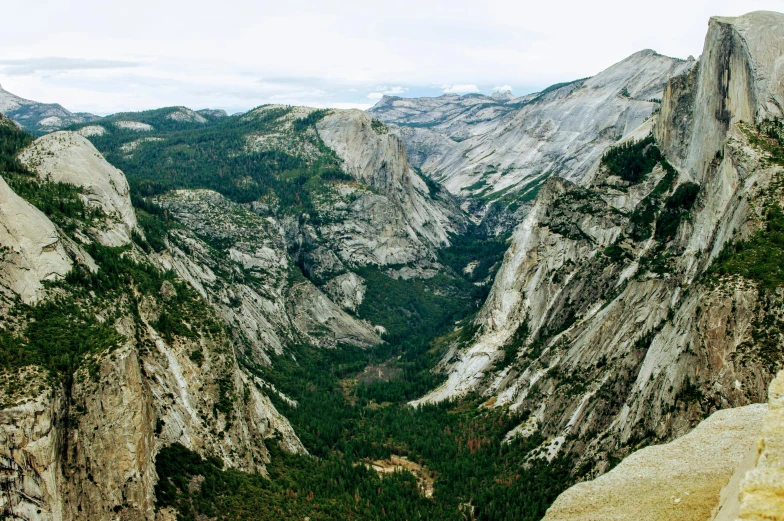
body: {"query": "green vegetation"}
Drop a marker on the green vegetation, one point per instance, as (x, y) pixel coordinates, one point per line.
(379, 127)
(761, 257)
(59, 201)
(221, 156)
(341, 419)
(676, 208)
(478, 472)
(159, 119)
(344, 420)
(632, 161)
(512, 348)
(768, 136)
(644, 215)
(343, 423)
(57, 336)
(413, 312)
(474, 246)
(557, 86)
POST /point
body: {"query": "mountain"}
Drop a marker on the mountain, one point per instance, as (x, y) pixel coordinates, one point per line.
(501, 149)
(39, 118)
(636, 302)
(279, 315)
(136, 325)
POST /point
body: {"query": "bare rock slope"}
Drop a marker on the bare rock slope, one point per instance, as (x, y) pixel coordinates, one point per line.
(82, 445)
(605, 319)
(509, 147)
(679, 481)
(67, 157)
(32, 251)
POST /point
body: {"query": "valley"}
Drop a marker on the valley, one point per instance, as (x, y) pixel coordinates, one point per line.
(457, 308)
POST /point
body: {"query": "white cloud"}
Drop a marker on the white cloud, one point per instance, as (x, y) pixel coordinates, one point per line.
(388, 91)
(110, 64)
(461, 88)
(503, 88)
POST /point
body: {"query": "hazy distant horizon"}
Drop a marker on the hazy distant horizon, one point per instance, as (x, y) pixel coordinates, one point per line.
(97, 57)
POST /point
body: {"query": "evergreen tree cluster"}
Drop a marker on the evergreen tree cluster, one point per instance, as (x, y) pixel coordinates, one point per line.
(633, 160)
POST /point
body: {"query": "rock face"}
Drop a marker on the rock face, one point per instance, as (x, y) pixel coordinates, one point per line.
(347, 290)
(762, 489)
(603, 321)
(510, 147)
(679, 481)
(84, 447)
(187, 115)
(407, 223)
(32, 251)
(265, 305)
(449, 115)
(39, 117)
(728, 468)
(30, 441)
(67, 157)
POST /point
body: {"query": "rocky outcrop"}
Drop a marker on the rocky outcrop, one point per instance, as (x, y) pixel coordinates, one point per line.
(603, 322)
(315, 314)
(679, 481)
(728, 468)
(264, 302)
(347, 290)
(762, 489)
(108, 450)
(31, 249)
(388, 214)
(30, 441)
(82, 445)
(409, 220)
(739, 79)
(452, 116)
(67, 157)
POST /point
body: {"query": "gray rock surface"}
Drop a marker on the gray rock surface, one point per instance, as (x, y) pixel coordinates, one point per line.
(614, 347)
(511, 146)
(67, 157)
(31, 249)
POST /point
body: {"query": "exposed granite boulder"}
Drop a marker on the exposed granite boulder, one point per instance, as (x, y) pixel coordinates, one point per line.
(67, 157)
(678, 481)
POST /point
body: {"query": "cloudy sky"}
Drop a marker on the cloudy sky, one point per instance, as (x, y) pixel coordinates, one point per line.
(104, 56)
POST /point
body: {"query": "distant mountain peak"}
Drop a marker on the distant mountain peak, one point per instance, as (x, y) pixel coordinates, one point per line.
(39, 118)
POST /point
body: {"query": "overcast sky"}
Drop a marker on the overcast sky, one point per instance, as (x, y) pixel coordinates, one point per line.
(106, 56)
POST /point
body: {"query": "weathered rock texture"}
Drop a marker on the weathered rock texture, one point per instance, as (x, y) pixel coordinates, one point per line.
(387, 215)
(378, 158)
(264, 301)
(67, 157)
(30, 453)
(762, 489)
(508, 147)
(84, 447)
(31, 251)
(632, 343)
(679, 481)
